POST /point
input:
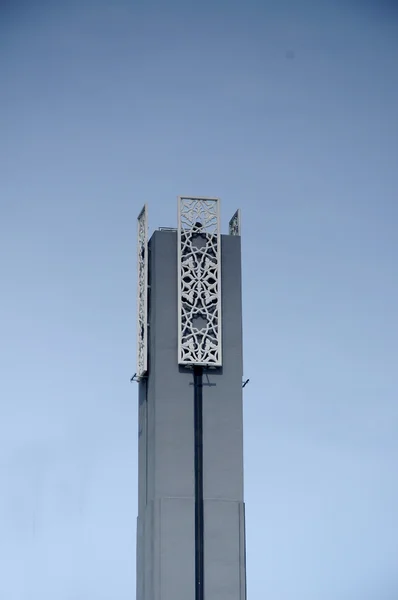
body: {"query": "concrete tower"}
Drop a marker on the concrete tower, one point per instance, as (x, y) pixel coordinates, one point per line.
(191, 521)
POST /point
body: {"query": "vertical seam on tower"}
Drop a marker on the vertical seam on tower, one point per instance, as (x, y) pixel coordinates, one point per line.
(146, 442)
(198, 457)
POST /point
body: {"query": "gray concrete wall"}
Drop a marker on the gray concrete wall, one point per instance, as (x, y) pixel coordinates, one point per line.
(224, 523)
(165, 529)
(225, 569)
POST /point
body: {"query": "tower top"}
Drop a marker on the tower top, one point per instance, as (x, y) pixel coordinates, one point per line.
(199, 282)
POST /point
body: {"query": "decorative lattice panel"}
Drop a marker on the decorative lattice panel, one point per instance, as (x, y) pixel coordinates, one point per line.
(234, 224)
(199, 282)
(142, 292)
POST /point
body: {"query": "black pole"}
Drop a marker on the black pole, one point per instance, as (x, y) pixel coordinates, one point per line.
(199, 530)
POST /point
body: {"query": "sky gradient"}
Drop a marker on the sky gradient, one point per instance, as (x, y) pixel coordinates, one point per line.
(287, 110)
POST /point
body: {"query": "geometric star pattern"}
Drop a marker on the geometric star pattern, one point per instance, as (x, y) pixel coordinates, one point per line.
(199, 282)
(142, 292)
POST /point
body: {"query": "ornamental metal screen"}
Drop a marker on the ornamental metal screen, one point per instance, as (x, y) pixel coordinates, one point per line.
(234, 224)
(199, 282)
(142, 292)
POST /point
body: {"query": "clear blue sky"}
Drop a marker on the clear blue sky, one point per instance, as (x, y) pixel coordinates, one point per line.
(285, 109)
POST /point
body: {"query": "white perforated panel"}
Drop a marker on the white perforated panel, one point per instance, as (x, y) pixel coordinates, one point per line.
(199, 282)
(142, 292)
(234, 224)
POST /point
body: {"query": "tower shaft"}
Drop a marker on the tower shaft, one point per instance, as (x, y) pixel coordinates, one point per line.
(191, 524)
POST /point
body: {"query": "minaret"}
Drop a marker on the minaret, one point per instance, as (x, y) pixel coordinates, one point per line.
(191, 522)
